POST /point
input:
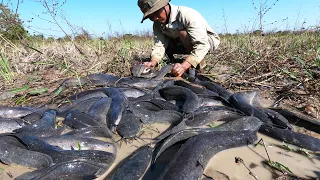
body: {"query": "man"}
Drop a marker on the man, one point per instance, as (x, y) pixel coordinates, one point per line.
(178, 30)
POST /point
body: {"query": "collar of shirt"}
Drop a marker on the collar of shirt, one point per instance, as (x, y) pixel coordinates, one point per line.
(173, 16)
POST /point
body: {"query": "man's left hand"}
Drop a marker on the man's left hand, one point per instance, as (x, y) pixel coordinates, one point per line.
(179, 68)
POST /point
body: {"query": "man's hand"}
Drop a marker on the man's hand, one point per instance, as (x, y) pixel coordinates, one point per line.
(179, 68)
(151, 64)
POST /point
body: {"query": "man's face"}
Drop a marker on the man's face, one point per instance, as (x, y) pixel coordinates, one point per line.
(159, 16)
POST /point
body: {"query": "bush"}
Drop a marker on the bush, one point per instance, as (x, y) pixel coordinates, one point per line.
(10, 25)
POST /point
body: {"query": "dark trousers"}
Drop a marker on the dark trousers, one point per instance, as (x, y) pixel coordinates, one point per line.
(175, 46)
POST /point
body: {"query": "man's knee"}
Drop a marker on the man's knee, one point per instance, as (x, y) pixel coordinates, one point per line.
(175, 47)
(214, 43)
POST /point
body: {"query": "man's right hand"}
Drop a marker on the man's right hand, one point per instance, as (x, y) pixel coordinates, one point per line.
(151, 64)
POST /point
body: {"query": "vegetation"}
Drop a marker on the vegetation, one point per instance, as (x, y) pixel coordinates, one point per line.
(281, 62)
(10, 25)
(5, 69)
(286, 63)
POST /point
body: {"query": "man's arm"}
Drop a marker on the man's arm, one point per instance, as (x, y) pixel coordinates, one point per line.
(159, 47)
(179, 68)
(196, 27)
(197, 30)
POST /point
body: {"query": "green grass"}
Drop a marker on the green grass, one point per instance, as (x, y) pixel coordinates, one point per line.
(299, 150)
(5, 69)
(280, 167)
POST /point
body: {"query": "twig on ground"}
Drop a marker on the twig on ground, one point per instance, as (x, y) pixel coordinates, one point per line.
(238, 160)
(263, 75)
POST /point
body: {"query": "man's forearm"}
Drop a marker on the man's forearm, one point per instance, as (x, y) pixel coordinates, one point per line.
(186, 65)
(154, 61)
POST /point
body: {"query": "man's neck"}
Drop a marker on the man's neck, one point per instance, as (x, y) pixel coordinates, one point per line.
(168, 12)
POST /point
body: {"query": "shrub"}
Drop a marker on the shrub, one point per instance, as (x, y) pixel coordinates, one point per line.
(10, 25)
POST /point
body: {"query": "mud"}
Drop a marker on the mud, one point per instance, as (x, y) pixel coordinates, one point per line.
(253, 157)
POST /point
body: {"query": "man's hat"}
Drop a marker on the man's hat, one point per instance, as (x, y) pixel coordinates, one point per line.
(150, 6)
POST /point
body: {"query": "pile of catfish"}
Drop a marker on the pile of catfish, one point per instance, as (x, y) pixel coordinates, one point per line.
(76, 140)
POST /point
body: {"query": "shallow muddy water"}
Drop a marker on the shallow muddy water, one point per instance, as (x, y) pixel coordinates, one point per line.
(253, 157)
(224, 162)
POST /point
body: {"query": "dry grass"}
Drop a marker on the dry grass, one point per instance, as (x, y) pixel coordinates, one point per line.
(292, 55)
(275, 62)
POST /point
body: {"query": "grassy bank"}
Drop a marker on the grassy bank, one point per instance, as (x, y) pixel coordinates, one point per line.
(288, 62)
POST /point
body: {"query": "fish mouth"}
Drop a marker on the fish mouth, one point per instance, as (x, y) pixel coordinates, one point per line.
(146, 71)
